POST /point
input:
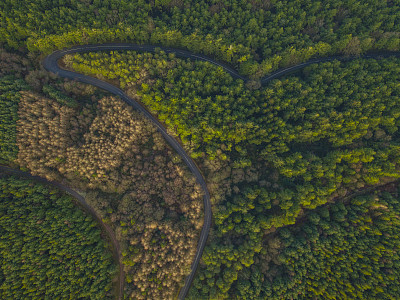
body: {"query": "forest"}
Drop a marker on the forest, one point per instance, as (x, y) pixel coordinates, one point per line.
(132, 179)
(337, 124)
(49, 248)
(303, 170)
(10, 89)
(256, 36)
(343, 250)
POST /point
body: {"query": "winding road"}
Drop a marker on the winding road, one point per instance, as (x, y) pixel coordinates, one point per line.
(50, 63)
(285, 71)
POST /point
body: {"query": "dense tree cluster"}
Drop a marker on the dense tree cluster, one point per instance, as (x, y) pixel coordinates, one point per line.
(12, 64)
(336, 104)
(49, 249)
(59, 96)
(148, 195)
(9, 100)
(158, 241)
(45, 130)
(269, 154)
(339, 251)
(318, 165)
(257, 36)
(298, 142)
(12, 68)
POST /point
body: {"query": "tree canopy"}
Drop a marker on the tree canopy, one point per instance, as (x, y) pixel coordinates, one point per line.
(257, 36)
(272, 153)
(49, 248)
(273, 156)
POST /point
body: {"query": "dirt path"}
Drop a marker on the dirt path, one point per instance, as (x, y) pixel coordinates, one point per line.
(80, 201)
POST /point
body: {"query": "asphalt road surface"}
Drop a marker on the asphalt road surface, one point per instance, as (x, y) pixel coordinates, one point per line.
(50, 63)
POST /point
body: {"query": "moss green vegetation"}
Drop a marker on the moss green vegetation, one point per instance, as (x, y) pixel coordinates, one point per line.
(307, 138)
(56, 94)
(49, 249)
(343, 250)
(257, 36)
(270, 154)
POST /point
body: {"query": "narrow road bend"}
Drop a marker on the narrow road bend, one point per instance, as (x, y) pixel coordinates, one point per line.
(50, 63)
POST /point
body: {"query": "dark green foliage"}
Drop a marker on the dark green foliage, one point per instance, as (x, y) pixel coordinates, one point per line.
(319, 130)
(341, 251)
(285, 148)
(257, 36)
(49, 249)
(9, 99)
(151, 201)
(338, 251)
(345, 138)
(314, 137)
(54, 93)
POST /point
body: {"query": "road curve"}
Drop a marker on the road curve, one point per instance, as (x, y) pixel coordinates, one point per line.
(86, 207)
(50, 63)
